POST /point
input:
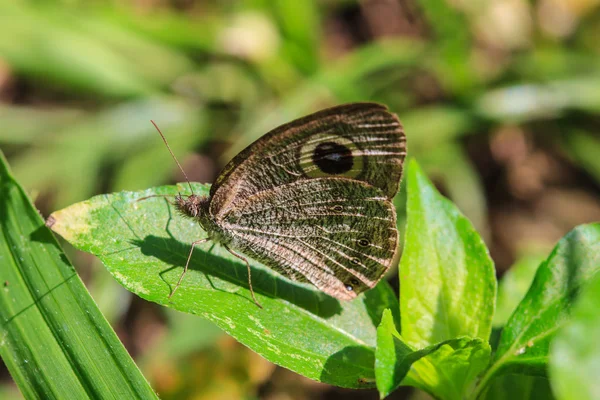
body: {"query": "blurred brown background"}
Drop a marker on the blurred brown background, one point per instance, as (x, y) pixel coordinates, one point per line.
(500, 100)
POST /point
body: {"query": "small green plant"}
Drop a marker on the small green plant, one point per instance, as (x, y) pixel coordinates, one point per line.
(437, 337)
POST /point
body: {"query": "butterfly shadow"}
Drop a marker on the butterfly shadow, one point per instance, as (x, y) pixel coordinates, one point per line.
(174, 252)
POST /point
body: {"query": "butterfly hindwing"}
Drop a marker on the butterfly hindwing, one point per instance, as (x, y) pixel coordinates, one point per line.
(359, 141)
(338, 234)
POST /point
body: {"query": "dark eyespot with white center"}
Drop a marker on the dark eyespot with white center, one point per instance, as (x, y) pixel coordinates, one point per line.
(333, 158)
(355, 261)
(363, 242)
(352, 284)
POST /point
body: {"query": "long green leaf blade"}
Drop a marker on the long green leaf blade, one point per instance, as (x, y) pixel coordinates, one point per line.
(53, 339)
(447, 279)
(145, 244)
(393, 356)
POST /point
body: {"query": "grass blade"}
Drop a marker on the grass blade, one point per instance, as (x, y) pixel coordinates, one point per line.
(53, 339)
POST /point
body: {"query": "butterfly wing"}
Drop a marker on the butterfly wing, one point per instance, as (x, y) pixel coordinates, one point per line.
(359, 141)
(338, 234)
(311, 199)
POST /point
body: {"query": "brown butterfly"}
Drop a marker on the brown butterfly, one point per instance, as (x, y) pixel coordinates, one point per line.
(311, 199)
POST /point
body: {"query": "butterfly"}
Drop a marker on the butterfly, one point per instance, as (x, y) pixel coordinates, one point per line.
(311, 199)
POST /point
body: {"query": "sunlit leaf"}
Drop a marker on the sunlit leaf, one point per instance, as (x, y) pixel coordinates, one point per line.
(449, 371)
(447, 279)
(144, 244)
(54, 340)
(525, 340)
(445, 369)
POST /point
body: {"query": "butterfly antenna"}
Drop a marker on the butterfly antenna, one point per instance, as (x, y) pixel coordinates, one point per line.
(172, 155)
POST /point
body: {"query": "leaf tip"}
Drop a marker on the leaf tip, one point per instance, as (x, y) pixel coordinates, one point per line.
(413, 165)
(387, 320)
(72, 221)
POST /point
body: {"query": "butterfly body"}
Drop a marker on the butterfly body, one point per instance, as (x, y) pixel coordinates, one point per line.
(312, 199)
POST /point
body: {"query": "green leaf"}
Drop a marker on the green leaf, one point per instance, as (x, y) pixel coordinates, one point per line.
(444, 369)
(447, 277)
(393, 357)
(145, 244)
(54, 340)
(524, 343)
(514, 285)
(450, 371)
(519, 387)
(575, 352)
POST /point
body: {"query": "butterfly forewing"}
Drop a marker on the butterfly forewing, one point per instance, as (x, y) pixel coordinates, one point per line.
(360, 141)
(338, 234)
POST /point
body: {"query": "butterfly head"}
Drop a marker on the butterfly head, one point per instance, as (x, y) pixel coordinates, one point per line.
(192, 206)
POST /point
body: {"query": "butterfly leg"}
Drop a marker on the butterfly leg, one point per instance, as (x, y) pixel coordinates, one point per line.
(249, 274)
(187, 264)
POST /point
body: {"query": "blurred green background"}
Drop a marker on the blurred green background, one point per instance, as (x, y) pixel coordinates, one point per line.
(500, 100)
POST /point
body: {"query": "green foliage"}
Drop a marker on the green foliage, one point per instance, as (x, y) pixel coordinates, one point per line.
(513, 286)
(575, 353)
(447, 299)
(443, 257)
(444, 368)
(525, 339)
(55, 341)
(446, 274)
(447, 302)
(584, 148)
(145, 244)
(84, 79)
(449, 372)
